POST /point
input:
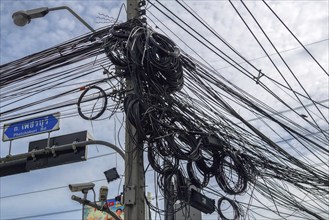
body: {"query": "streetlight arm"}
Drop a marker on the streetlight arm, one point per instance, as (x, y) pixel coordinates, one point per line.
(38, 12)
(22, 18)
(75, 15)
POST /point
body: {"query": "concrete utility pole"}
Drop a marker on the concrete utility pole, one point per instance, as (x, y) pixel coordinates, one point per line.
(134, 168)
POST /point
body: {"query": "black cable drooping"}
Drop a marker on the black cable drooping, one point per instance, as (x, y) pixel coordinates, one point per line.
(101, 95)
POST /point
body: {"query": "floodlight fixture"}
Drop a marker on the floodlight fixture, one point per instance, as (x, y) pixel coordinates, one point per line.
(111, 174)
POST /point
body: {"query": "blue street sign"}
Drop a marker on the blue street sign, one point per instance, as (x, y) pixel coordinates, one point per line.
(31, 126)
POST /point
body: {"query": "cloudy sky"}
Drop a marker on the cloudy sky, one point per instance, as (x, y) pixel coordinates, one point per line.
(43, 194)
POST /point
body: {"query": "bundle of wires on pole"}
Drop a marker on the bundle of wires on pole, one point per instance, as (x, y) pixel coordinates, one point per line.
(183, 111)
(189, 139)
(156, 66)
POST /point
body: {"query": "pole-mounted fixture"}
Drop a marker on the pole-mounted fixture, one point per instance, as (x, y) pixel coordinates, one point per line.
(22, 18)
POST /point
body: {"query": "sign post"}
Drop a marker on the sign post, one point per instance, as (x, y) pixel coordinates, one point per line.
(32, 126)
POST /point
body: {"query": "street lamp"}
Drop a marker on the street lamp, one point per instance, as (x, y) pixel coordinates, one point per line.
(22, 18)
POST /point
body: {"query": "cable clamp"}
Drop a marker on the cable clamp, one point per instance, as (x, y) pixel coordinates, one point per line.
(141, 3)
(33, 155)
(47, 150)
(143, 20)
(60, 51)
(74, 147)
(141, 12)
(260, 74)
(53, 151)
(237, 152)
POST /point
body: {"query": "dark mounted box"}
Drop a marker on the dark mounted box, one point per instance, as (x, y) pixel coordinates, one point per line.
(57, 157)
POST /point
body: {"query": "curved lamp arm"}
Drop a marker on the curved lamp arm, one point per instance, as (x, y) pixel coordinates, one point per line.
(22, 18)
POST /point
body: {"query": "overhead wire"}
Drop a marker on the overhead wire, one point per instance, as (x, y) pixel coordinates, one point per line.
(275, 96)
(300, 43)
(186, 116)
(293, 74)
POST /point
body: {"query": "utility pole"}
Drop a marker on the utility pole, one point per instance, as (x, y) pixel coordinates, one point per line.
(134, 165)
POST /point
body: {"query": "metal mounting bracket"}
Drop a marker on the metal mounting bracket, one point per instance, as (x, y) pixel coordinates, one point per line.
(53, 151)
(33, 155)
(130, 195)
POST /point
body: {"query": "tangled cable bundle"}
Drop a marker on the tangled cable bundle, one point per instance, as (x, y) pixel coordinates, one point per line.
(209, 161)
(235, 211)
(155, 55)
(173, 184)
(159, 162)
(193, 136)
(231, 177)
(183, 141)
(155, 66)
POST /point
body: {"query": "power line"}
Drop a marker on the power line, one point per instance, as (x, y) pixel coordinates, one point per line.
(104, 155)
(59, 187)
(45, 214)
(295, 38)
(191, 120)
(290, 70)
(281, 51)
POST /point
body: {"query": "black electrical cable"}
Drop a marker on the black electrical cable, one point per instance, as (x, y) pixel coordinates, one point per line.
(158, 163)
(208, 164)
(102, 95)
(247, 73)
(172, 123)
(309, 53)
(216, 34)
(186, 147)
(260, 83)
(193, 176)
(233, 205)
(231, 174)
(293, 74)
